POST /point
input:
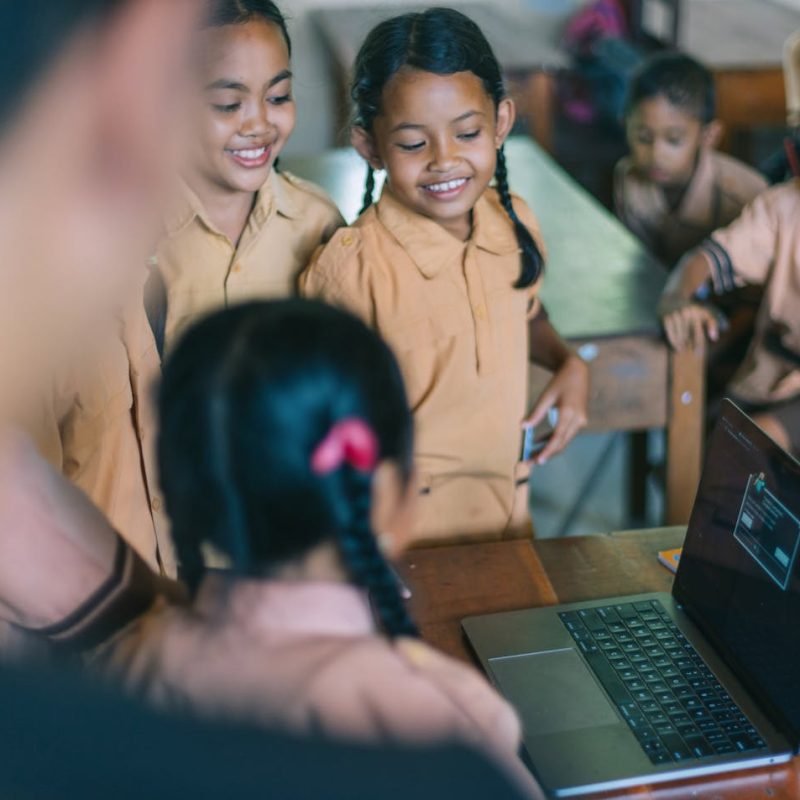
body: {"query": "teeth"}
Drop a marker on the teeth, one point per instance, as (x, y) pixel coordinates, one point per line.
(250, 155)
(448, 186)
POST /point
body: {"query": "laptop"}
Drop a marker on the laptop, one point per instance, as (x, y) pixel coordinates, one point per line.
(656, 687)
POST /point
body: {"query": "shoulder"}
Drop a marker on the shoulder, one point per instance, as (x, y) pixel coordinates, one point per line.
(414, 693)
(309, 196)
(776, 205)
(736, 179)
(339, 270)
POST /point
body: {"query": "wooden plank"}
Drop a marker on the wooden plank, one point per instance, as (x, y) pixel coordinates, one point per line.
(450, 583)
(628, 389)
(749, 98)
(685, 433)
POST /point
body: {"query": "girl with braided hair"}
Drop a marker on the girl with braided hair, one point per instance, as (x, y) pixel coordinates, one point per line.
(447, 266)
(286, 452)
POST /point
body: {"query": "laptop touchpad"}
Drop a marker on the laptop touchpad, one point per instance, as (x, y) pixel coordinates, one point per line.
(553, 691)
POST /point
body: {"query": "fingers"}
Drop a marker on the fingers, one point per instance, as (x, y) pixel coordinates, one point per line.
(545, 402)
(689, 327)
(570, 422)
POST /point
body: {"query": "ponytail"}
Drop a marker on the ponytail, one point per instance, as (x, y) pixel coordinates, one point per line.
(369, 190)
(531, 257)
(366, 564)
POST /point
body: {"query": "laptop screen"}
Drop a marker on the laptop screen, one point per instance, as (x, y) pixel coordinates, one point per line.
(739, 573)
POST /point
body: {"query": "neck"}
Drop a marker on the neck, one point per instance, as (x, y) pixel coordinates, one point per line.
(322, 564)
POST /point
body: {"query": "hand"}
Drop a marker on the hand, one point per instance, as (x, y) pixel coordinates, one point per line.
(687, 323)
(568, 391)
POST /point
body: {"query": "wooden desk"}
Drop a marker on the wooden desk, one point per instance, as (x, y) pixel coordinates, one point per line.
(742, 42)
(527, 46)
(601, 289)
(449, 583)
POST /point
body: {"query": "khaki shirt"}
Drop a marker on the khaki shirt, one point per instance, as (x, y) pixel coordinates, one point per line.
(720, 187)
(460, 332)
(763, 247)
(204, 271)
(99, 428)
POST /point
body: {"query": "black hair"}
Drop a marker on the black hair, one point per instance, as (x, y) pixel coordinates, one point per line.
(239, 12)
(36, 33)
(684, 82)
(246, 398)
(442, 41)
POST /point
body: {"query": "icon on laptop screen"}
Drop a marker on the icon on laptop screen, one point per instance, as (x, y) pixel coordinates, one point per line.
(768, 530)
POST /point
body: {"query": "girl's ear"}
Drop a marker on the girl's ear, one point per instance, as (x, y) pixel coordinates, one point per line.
(712, 134)
(506, 115)
(364, 143)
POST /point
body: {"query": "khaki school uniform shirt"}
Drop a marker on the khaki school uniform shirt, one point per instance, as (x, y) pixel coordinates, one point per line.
(204, 271)
(720, 187)
(306, 656)
(99, 428)
(763, 247)
(459, 329)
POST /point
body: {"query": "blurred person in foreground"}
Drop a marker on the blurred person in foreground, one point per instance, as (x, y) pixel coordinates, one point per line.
(87, 106)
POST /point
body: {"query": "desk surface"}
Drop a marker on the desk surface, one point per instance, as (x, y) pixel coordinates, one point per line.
(600, 281)
(736, 34)
(449, 583)
(523, 43)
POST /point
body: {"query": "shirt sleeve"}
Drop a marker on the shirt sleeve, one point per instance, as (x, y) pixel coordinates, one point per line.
(337, 276)
(743, 252)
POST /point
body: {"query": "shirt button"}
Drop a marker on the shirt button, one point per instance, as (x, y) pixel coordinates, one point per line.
(347, 240)
(480, 312)
(237, 267)
(156, 504)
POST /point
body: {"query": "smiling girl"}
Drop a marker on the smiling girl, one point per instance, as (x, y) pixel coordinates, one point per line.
(447, 268)
(242, 229)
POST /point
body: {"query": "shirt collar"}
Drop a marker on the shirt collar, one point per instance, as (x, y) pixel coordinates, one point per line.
(272, 195)
(294, 607)
(431, 247)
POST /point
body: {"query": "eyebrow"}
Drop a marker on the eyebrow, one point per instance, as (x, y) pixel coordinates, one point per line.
(225, 83)
(410, 126)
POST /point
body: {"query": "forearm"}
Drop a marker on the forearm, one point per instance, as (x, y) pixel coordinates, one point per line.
(547, 348)
(692, 273)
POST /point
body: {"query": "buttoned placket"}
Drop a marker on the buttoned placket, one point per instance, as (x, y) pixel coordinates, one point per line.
(476, 293)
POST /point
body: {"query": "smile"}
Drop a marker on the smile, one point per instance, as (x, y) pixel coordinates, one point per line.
(446, 189)
(251, 158)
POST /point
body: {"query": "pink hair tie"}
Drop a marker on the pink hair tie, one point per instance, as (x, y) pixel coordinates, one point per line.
(350, 441)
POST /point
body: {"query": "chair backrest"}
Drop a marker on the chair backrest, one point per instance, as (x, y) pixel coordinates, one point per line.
(791, 72)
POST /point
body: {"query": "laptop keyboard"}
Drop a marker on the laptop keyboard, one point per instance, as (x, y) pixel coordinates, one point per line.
(670, 699)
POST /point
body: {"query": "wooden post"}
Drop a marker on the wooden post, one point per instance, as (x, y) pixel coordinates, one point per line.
(685, 433)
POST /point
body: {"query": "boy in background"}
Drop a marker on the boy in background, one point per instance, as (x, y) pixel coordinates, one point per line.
(675, 189)
(761, 247)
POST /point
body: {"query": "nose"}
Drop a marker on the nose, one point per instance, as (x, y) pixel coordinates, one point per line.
(444, 156)
(256, 122)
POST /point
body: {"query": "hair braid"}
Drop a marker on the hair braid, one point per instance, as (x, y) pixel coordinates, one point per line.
(367, 565)
(531, 256)
(369, 190)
